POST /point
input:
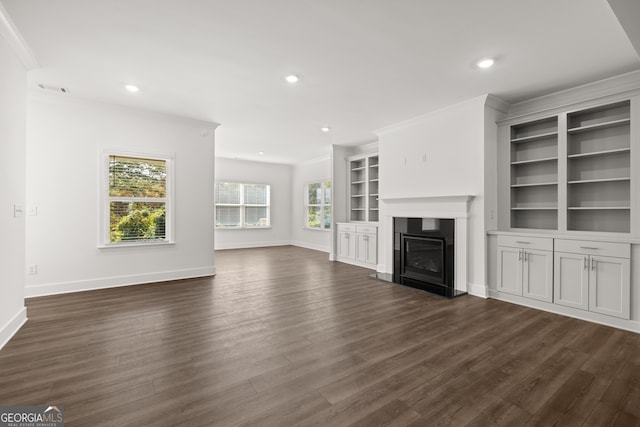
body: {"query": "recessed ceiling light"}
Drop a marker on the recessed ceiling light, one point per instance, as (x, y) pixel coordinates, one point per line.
(261, 153)
(485, 63)
(292, 78)
(325, 129)
(132, 88)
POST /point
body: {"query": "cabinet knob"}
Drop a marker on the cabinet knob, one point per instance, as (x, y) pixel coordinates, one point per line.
(522, 242)
(589, 248)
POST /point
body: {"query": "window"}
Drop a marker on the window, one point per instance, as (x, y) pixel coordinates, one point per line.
(242, 205)
(318, 205)
(137, 193)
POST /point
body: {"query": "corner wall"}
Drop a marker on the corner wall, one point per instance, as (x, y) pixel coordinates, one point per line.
(279, 177)
(13, 90)
(303, 174)
(64, 138)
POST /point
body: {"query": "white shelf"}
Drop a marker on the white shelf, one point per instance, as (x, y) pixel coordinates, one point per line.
(589, 181)
(358, 209)
(373, 180)
(609, 124)
(534, 137)
(535, 209)
(538, 184)
(357, 195)
(527, 162)
(598, 208)
(599, 153)
(358, 182)
(361, 168)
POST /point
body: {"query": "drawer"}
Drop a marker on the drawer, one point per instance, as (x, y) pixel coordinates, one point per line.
(346, 228)
(589, 247)
(540, 243)
(368, 229)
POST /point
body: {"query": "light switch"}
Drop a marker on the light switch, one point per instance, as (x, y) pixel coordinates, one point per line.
(18, 211)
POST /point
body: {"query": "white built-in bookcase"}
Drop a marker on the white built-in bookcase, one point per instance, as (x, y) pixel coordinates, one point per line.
(363, 188)
(572, 171)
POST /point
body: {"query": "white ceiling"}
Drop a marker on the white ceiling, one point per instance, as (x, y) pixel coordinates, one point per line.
(364, 64)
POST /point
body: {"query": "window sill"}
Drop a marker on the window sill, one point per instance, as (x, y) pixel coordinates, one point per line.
(136, 245)
(316, 229)
(243, 228)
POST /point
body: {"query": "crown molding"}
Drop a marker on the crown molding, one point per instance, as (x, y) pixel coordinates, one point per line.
(10, 32)
(604, 89)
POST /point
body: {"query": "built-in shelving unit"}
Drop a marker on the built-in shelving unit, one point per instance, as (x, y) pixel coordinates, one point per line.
(599, 169)
(534, 174)
(363, 172)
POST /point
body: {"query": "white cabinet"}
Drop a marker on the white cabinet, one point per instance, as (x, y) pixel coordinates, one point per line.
(525, 267)
(593, 276)
(347, 241)
(358, 244)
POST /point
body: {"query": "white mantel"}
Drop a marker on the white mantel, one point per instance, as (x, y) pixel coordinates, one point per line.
(438, 206)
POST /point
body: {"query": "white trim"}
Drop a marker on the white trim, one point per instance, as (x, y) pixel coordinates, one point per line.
(12, 35)
(478, 290)
(12, 326)
(314, 247)
(249, 245)
(481, 100)
(602, 319)
(116, 281)
(595, 92)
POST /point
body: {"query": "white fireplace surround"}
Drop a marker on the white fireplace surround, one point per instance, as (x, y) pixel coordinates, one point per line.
(455, 207)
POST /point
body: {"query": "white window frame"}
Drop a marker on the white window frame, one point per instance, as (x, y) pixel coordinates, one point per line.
(104, 240)
(322, 205)
(243, 206)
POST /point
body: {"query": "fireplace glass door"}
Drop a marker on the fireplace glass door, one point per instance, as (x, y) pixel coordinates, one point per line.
(423, 259)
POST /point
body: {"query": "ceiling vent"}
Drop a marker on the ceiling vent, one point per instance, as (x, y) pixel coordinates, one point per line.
(50, 88)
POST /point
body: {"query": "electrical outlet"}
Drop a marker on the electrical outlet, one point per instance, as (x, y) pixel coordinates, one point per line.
(33, 269)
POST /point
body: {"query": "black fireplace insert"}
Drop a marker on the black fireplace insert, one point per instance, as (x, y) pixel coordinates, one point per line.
(424, 254)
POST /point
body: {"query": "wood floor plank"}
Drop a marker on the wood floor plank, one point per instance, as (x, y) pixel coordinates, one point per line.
(282, 336)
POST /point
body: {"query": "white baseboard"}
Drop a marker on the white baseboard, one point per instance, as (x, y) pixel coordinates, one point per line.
(477, 290)
(602, 319)
(320, 248)
(116, 281)
(12, 326)
(249, 245)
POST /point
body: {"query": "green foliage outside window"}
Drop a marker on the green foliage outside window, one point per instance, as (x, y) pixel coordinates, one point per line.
(318, 201)
(137, 193)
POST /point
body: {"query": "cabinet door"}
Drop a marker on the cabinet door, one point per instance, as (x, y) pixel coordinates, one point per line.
(367, 248)
(510, 270)
(346, 245)
(571, 280)
(609, 286)
(537, 275)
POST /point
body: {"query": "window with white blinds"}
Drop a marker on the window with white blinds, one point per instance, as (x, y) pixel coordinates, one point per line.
(241, 205)
(318, 205)
(136, 199)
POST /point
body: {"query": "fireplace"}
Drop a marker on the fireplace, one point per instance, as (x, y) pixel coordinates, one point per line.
(424, 254)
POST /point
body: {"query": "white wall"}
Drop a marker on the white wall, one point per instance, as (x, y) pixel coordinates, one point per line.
(279, 176)
(13, 89)
(64, 138)
(303, 174)
(439, 154)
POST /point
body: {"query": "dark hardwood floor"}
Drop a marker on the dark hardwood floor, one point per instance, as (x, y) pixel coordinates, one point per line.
(282, 336)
